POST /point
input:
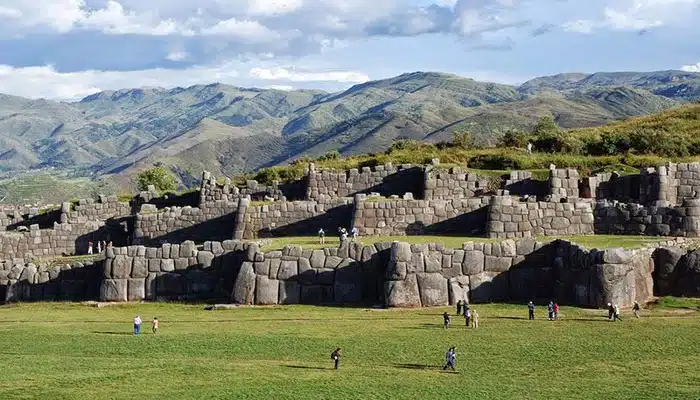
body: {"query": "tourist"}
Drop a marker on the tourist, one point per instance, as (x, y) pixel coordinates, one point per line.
(529, 148)
(450, 358)
(611, 311)
(321, 236)
(99, 247)
(446, 320)
(550, 310)
(636, 309)
(89, 247)
(556, 311)
(459, 307)
(343, 235)
(616, 313)
(137, 325)
(531, 310)
(154, 325)
(355, 233)
(467, 315)
(335, 356)
(475, 319)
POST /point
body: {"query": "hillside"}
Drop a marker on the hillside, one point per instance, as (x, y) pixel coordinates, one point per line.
(227, 129)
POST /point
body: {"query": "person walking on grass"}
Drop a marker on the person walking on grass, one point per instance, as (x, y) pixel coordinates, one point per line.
(335, 356)
(459, 307)
(450, 358)
(636, 309)
(355, 233)
(137, 325)
(467, 315)
(445, 320)
(475, 319)
(154, 325)
(616, 313)
(531, 311)
(611, 311)
(556, 311)
(550, 310)
(321, 236)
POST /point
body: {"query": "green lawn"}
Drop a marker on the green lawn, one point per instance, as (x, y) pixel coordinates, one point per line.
(72, 351)
(588, 241)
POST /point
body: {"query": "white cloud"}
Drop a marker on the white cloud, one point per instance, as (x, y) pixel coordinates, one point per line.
(691, 68)
(280, 73)
(251, 31)
(580, 26)
(176, 56)
(273, 7)
(47, 82)
(285, 88)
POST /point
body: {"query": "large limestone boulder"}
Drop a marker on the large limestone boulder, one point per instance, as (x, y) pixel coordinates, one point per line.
(347, 287)
(459, 289)
(488, 286)
(665, 262)
(403, 293)
(433, 290)
(136, 289)
(613, 283)
(289, 292)
(688, 275)
(266, 290)
(244, 289)
(113, 290)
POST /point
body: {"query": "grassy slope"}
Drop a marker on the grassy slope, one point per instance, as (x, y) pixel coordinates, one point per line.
(70, 351)
(590, 242)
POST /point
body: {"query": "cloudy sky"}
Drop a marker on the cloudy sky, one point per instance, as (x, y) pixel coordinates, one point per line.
(67, 49)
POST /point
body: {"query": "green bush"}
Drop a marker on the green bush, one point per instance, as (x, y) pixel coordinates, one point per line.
(513, 138)
(159, 177)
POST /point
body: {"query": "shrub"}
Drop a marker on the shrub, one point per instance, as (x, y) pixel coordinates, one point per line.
(513, 138)
(331, 155)
(463, 139)
(267, 176)
(159, 177)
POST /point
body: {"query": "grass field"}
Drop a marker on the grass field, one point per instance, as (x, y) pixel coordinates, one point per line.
(72, 351)
(588, 241)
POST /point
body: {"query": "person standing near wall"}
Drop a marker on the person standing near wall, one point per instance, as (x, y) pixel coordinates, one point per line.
(154, 325)
(475, 319)
(445, 320)
(467, 315)
(321, 236)
(89, 248)
(550, 310)
(616, 313)
(556, 311)
(137, 325)
(636, 309)
(531, 311)
(459, 307)
(355, 234)
(611, 311)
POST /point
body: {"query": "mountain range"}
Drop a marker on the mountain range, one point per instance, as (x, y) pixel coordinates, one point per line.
(227, 129)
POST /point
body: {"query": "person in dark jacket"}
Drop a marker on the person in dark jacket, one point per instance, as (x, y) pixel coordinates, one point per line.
(550, 310)
(446, 320)
(459, 307)
(636, 309)
(450, 358)
(335, 356)
(611, 311)
(531, 311)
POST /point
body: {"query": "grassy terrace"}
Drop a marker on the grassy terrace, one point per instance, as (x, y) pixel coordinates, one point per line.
(71, 351)
(588, 241)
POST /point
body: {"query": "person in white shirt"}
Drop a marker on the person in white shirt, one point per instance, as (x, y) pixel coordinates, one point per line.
(137, 325)
(355, 233)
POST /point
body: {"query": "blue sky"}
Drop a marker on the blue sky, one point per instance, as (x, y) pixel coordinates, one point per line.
(67, 49)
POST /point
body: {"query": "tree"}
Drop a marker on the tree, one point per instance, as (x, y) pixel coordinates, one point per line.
(513, 138)
(160, 177)
(463, 139)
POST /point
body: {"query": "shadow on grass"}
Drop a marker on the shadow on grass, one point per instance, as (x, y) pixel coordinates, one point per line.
(418, 366)
(305, 367)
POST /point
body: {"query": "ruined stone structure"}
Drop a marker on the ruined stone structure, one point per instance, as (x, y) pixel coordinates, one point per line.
(191, 246)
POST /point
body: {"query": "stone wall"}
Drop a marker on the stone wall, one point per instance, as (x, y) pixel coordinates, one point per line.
(351, 274)
(20, 281)
(63, 239)
(285, 218)
(383, 179)
(431, 275)
(172, 272)
(12, 216)
(521, 183)
(563, 183)
(616, 218)
(395, 217)
(509, 217)
(452, 183)
(106, 207)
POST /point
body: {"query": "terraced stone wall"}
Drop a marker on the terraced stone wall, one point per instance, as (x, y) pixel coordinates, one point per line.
(388, 179)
